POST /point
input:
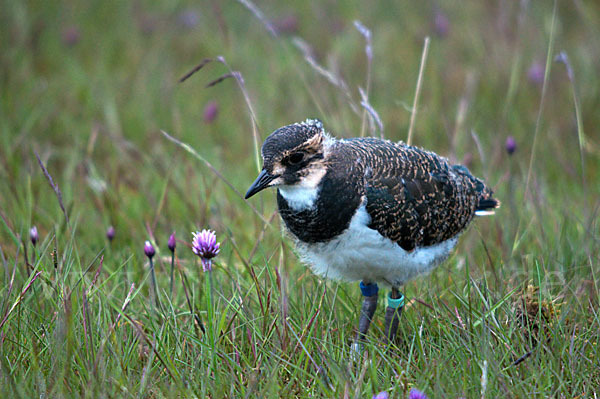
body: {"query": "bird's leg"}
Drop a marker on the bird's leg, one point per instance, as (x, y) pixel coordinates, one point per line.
(392, 313)
(367, 311)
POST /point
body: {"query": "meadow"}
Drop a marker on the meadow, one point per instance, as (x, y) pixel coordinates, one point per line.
(98, 130)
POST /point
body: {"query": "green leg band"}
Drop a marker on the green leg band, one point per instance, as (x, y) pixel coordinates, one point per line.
(395, 303)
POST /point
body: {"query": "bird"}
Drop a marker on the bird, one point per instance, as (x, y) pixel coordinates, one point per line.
(368, 209)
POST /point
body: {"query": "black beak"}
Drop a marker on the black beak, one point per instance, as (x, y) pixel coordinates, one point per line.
(261, 182)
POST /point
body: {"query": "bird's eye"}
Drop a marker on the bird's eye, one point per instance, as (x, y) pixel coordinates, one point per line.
(296, 158)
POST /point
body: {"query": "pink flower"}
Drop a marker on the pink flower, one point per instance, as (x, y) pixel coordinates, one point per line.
(171, 243)
(441, 24)
(416, 394)
(110, 233)
(211, 111)
(205, 245)
(535, 74)
(511, 145)
(149, 249)
(33, 235)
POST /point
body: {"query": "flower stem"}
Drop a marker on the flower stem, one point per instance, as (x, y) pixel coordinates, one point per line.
(154, 290)
(212, 334)
(209, 302)
(172, 266)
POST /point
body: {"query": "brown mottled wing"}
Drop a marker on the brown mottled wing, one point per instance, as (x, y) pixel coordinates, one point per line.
(415, 197)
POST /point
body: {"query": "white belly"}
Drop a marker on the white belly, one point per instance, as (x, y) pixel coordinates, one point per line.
(361, 253)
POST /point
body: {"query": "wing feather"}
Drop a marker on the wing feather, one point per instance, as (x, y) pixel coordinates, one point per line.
(415, 197)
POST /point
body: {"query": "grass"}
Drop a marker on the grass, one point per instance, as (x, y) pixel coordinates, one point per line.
(89, 87)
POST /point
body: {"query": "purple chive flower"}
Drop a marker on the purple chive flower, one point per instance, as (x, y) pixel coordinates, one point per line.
(381, 395)
(511, 145)
(286, 25)
(147, 23)
(110, 233)
(211, 111)
(33, 235)
(441, 24)
(172, 243)
(205, 245)
(467, 159)
(188, 19)
(416, 394)
(535, 74)
(149, 249)
(70, 36)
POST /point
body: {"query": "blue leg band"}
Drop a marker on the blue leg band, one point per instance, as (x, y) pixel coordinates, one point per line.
(395, 303)
(369, 289)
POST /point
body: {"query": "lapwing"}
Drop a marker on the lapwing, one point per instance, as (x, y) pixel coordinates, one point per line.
(368, 209)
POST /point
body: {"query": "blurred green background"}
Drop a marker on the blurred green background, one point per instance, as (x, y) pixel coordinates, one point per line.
(90, 85)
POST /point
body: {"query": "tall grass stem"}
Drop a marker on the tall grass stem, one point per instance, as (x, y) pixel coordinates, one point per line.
(413, 115)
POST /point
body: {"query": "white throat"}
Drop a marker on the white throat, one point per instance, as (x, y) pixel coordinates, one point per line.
(303, 195)
(299, 197)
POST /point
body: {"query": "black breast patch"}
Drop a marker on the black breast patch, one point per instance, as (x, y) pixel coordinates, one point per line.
(336, 204)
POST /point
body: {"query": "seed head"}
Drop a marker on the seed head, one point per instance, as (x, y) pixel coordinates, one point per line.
(205, 245)
(172, 243)
(33, 235)
(149, 249)
(564, 59)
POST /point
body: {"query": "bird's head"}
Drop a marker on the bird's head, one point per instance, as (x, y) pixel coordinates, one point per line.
(293, 155)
